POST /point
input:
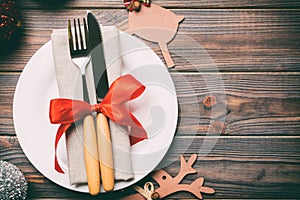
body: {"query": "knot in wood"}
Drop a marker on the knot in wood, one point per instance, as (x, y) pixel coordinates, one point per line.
(209, 102)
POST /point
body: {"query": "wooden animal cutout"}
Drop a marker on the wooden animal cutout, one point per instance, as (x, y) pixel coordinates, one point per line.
(155, 24)
(169, 185)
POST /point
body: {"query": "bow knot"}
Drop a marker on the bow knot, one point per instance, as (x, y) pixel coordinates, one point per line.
(96, 108)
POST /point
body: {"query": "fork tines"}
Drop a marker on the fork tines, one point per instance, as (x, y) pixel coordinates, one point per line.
(81, 43)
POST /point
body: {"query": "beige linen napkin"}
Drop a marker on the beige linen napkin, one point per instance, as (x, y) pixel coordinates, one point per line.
(70, 86)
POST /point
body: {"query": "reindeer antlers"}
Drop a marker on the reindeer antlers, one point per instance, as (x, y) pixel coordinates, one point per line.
(186, 168)
(169, 185)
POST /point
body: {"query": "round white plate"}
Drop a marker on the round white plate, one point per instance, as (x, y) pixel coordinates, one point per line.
(156, 109)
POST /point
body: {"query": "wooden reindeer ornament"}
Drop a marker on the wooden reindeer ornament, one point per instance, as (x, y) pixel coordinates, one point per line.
(169, 185)
(155, 24)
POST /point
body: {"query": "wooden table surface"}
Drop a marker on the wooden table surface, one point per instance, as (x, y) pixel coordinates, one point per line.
(256, 48)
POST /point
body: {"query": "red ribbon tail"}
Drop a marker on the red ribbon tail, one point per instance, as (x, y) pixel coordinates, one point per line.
(60, 132)
(57, 166)
(137, 135)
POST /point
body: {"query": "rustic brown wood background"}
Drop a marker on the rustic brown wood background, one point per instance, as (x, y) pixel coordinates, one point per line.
(256, 47)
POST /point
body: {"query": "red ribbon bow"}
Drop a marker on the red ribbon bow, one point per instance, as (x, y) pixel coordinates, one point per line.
(124, 89)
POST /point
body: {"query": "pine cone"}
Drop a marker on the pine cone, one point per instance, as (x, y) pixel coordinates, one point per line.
(13, 184)
(9, 20)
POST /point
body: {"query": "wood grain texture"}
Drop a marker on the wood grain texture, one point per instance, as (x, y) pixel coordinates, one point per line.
(255, 125)
(230, 39)
(30, 4)
(236, 167)
(250, 104)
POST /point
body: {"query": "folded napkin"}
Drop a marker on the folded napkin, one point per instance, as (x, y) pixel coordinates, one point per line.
(70, 86)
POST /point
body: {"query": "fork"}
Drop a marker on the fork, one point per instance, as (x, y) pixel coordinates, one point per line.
(80, 55)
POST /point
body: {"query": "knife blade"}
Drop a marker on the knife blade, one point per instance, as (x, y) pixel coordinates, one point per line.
(102, 86)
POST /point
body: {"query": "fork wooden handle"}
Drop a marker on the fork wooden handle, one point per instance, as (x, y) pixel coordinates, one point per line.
(91, 155)
(105, 153)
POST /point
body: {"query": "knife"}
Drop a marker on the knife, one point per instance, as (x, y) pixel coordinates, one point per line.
(102, 86)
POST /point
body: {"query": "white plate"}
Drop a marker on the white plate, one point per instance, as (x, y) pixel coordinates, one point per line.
(157, 110)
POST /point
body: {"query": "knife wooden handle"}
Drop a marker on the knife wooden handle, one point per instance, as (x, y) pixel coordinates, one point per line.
(105, 153)
(91, 155)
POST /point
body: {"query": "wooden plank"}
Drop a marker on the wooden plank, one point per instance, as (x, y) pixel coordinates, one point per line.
(8, 83)
(165, 3)
(251, 104)
(231, 39)
(238, 167)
